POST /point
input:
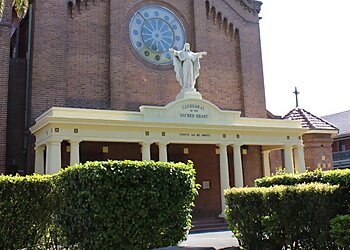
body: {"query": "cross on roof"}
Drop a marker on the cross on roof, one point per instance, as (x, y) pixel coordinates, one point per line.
(296, 97)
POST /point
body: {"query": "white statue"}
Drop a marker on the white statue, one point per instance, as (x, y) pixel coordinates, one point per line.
(186, 66)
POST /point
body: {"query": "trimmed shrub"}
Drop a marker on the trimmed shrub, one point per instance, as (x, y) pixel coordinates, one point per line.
(245, 211)
(339, 177)
(340, 230)
(126, 204)
(25, 208)
(333, 177)
(281, 217)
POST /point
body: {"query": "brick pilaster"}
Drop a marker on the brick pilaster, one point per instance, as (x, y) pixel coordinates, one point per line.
(4, 73)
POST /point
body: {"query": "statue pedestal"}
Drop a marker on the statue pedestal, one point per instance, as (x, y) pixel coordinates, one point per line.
(193, 94)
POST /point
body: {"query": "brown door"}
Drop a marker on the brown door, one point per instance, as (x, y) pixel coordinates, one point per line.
(206, 163)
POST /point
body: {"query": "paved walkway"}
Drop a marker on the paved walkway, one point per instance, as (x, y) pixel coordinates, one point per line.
(206, 241)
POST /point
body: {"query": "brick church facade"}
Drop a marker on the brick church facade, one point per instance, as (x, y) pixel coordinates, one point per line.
(87, 59)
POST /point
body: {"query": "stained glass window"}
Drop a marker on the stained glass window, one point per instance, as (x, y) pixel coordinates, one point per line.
(153, 30)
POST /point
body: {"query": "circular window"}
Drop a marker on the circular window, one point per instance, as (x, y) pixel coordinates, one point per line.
(153, 31)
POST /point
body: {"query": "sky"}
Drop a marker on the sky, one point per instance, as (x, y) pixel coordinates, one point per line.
(306, 44)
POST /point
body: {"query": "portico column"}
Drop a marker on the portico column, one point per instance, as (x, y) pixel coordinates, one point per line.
(266, 162)
(299, 159)
(146, 151)
(288, 159)
(163, 154)
(74, 152)
(39, 160)
(224, 176)
(237, 161)
(53, 157)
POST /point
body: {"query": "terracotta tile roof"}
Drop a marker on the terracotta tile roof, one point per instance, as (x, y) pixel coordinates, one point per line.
(309, 120)
(341, 120)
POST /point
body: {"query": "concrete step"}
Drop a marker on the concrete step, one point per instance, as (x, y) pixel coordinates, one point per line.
(209, 225)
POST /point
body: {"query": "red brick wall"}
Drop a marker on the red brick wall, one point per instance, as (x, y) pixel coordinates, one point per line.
(88, 61)
(220, 81)
(49, 64)
(276, 161)
(4, 73)
(252, 164)
(92, 151)
(317, 146)
(224, 79)
(204, 157)
(87, 57)
(207, 165)
(253, 87)
(133, 81)
(335, 146)
(245, 52)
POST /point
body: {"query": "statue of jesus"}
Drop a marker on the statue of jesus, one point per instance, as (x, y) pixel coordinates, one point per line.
(186, 66)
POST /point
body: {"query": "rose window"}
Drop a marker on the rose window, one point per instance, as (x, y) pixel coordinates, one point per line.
(153, 31)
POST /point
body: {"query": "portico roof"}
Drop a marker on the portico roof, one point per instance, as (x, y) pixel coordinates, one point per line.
(190, 120)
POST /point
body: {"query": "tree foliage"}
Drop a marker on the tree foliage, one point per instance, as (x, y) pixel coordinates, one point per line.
(20, 6)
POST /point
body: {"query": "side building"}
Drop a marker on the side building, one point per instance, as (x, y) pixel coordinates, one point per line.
(341, 144)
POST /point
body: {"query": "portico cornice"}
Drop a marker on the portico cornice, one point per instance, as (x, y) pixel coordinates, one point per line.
(182, 121)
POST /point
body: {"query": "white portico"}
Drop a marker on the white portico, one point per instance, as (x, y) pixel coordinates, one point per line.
(184, 121)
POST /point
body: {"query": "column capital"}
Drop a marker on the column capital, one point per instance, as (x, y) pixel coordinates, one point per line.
(236, 144)
(160, 143)
(265, 152)
(146, 143)
(146, 150)
(53, 142)
(39, 148)
(74, 152)
(162, 151)
(74, 141)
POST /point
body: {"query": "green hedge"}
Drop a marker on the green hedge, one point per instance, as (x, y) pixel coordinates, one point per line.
(126, 204)
(25, 208)
(340, 230)
(334, 177)
(339, 177)
(283, 216)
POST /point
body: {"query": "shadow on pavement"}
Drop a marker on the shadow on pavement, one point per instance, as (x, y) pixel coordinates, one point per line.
(187, 248)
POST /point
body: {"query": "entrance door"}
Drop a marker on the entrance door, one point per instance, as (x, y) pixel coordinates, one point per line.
(207, 165)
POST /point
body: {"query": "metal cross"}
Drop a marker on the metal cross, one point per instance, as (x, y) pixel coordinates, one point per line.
(296, 97)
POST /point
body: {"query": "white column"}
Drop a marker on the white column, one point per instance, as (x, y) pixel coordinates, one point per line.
(47, 158)
(266, 162)
(163, 154)
(53, 157)
(74, 152)
(288, 159)
(146, 151)
(224, 176)
(237, 161)
(39, 160)
(299, 159)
